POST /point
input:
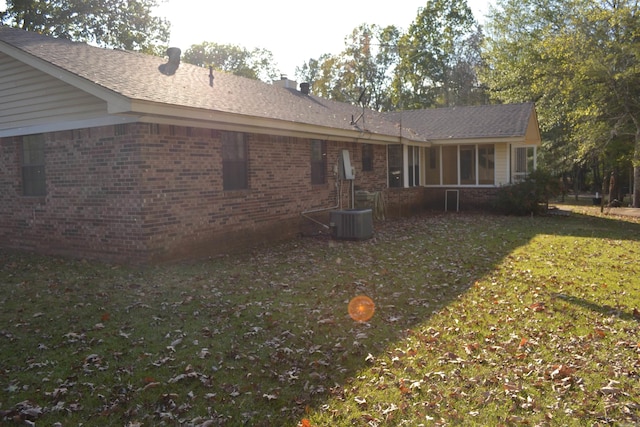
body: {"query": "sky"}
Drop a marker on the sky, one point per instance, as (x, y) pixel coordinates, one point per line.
(293, 32)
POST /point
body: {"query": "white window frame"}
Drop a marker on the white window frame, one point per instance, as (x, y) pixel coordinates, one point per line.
(476, 149)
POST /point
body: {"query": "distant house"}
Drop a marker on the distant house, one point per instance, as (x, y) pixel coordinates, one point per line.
(122, 156)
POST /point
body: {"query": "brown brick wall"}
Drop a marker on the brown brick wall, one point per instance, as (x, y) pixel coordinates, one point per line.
(405, 201)
(141, 192)
(204, 219)
(187, 211)
(470, 199)
(91, 207)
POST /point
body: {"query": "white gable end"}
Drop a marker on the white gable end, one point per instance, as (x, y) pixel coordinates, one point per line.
(33, 102)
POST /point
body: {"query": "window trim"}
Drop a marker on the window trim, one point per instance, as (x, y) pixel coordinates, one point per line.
(414, 163)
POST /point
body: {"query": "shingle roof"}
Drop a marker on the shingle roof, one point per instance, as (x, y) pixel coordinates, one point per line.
(137, 77)
(485, 121)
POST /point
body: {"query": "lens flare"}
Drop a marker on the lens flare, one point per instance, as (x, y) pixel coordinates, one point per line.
(361, 308)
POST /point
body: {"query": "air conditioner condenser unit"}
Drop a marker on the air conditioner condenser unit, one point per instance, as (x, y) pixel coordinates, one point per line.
(351, 224)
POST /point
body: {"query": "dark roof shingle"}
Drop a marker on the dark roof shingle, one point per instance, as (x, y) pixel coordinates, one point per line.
(138, 77)
(484, 121)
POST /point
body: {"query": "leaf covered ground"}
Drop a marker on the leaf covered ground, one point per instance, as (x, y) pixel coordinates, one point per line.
(479, 320)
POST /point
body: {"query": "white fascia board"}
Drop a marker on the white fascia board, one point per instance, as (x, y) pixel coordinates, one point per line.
(467, 141)
(68, 125)
(118, 101)
(413, 143)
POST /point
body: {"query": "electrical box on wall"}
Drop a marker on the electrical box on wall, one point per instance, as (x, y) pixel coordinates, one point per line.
(345, 170)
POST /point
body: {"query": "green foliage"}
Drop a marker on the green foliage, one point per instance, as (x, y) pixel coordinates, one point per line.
(434, 63)
(530, 196)
(578, 60)
(438, 57)
(361, 73)
(121, 24)
(257, 64)
(324, 76)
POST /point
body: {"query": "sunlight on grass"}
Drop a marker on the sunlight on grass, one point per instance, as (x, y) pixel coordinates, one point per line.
(478, 320)
(548, 336)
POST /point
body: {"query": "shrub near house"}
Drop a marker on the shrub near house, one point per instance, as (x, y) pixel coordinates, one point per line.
(530, 196)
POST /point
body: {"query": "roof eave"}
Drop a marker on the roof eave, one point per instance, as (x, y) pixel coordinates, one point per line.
(484, 140)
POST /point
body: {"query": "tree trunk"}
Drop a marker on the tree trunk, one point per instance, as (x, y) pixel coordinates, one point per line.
(636, 186)
(636, 170)
(604, 189)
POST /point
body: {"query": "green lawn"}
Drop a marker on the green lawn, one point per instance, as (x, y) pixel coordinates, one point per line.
(480, 320)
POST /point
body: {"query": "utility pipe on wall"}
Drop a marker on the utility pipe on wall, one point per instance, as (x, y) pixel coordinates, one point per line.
(338, 205)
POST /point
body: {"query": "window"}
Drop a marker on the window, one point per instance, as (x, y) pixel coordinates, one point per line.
(367, 157)
(318, 161)
(432, 174)
(33, 179)
(394, 153)
(460, 165)
(471, 164)
(234, 161)
(486, 165)
(524, 162)
(450, 165)
(467, 165)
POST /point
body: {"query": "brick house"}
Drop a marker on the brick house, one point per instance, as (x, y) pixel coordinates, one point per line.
(127, 157)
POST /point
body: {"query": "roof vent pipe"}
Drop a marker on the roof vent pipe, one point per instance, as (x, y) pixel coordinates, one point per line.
(174, 55)
(304, 88)
(172, 65)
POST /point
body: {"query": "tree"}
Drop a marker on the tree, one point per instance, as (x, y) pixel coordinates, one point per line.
(441, 45)
(434, 64)
(361, 73)
(256, 64)
(324, 75)
(122, 24)
(580, 61)
(609, 50)
(519, 66)
(368, 63)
